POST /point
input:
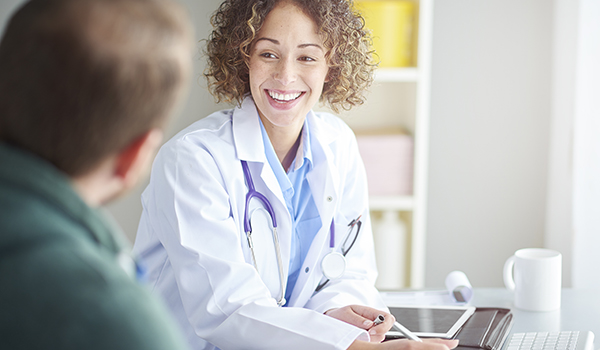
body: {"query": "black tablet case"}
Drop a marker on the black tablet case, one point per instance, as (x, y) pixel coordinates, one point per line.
(486, 329)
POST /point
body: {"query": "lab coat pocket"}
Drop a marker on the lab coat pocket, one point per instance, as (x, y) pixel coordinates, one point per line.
(265, 250)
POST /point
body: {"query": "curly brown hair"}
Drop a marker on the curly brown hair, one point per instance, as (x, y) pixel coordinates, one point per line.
(348, 45)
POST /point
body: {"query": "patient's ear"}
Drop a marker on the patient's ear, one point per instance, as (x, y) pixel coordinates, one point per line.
(134, 161)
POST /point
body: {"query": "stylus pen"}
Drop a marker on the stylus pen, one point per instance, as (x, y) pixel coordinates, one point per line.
(379, 320)
(410, 335)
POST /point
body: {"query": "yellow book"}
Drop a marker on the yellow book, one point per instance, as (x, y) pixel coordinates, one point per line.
(393, 26)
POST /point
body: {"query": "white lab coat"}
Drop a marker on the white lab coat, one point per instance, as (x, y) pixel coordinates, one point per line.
(192, 240)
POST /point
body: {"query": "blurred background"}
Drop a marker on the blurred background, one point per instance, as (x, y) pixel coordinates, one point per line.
(481, 135)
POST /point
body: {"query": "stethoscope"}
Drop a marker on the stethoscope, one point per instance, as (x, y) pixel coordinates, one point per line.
(333, 264)
(253, 193)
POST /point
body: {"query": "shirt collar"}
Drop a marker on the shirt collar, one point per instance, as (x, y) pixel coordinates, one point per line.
(304, 152)
(284, 181)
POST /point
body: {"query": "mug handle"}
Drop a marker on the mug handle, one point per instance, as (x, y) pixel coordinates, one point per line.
(509, 281)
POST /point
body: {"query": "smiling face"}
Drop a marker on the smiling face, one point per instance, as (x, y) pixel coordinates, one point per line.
(287, 68)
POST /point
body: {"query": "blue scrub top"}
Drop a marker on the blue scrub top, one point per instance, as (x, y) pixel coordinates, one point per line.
(306, 221)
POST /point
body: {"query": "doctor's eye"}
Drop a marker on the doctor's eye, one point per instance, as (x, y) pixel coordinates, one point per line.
(267, 55)
(307, 59)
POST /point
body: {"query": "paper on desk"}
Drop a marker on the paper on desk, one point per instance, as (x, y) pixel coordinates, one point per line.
(419, 297)
(458, 292)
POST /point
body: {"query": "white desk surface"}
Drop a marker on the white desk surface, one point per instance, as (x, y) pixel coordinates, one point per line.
(580, 311)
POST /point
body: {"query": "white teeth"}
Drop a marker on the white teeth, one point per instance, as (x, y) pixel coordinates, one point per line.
(283, 97)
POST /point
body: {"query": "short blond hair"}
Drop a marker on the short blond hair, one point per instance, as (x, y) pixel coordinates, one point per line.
(82, 79)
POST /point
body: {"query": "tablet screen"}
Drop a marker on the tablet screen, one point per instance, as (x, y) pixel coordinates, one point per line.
(431, 321)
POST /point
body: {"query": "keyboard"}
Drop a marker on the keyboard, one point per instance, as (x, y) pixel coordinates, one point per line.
(563, 340)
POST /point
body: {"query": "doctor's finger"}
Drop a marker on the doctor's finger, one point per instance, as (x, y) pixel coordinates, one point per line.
(376, 321)
(349, 315)
(377, 332)
(382, 322)
(371, 313)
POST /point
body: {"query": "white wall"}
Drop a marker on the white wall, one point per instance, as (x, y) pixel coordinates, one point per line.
(586, 144)
(490, 119)
(559, 218)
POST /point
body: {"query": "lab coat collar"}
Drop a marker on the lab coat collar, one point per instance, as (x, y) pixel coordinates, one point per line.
(322, 135)
(246, 132)
(248, 138)
(323, 132)
(249, 146)
(304, 152)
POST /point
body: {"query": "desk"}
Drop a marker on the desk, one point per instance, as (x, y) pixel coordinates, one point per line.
(580, 311)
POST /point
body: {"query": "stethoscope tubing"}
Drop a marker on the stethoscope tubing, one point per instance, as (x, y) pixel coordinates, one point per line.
(332, 235)
(252, 193)
(344, 251)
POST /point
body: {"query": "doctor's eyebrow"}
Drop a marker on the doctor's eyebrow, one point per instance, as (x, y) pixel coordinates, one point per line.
(301, 46)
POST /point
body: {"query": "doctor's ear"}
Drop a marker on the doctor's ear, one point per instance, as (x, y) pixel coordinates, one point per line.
(134, 160)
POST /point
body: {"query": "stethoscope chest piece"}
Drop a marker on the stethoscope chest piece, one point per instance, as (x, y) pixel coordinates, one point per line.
(333, 265)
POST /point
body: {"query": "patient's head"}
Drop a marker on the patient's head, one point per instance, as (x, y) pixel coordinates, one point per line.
(81, 80)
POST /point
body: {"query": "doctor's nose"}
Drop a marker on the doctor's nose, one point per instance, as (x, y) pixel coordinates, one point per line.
(285, 72)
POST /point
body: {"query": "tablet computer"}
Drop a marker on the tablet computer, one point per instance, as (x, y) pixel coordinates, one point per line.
(430, 321)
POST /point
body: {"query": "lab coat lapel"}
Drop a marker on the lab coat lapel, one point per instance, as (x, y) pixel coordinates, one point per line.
(323, 181)
(246, 133)
(249, 147)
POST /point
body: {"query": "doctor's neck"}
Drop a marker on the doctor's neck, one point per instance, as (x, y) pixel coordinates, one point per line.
(285, 141)
(288, 158)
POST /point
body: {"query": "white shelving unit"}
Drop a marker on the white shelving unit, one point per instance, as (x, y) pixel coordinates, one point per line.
(396, 75)
(400, 97)
(422, 111)
(395, 203)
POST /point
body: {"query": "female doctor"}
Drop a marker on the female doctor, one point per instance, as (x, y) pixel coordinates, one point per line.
(265, 205)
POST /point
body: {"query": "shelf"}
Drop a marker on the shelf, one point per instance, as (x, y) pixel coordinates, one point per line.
(397, 203)
(408, 75)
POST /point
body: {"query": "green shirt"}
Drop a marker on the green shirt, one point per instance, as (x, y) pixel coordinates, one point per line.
(61, 283)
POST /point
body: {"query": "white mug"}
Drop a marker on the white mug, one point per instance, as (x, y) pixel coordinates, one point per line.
(535, 274)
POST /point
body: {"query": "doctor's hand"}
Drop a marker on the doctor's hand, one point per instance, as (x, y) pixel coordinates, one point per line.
(362, 317)
(405, 344)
